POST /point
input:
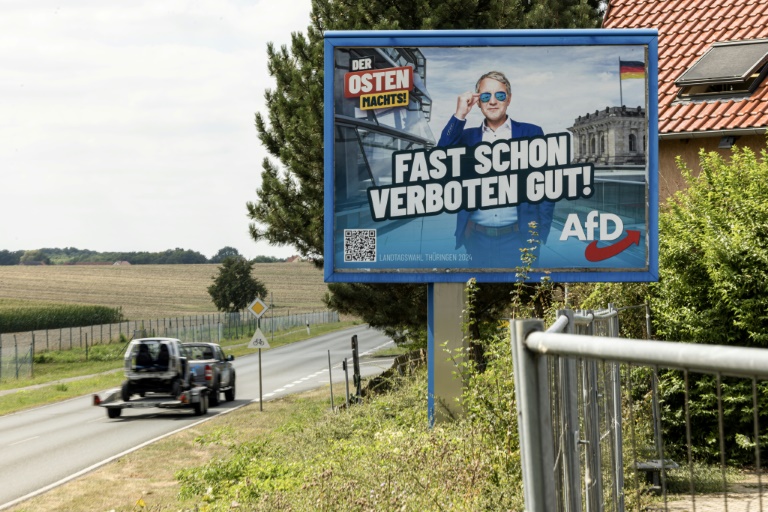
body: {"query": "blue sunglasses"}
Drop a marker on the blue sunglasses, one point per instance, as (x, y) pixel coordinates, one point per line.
(486, 96)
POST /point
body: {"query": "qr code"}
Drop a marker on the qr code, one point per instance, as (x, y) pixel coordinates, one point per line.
(360, 245)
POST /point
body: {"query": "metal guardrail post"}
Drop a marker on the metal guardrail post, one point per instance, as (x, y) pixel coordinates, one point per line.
(534, 419)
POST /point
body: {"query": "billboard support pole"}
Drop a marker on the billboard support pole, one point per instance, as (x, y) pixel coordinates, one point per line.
(445, 349)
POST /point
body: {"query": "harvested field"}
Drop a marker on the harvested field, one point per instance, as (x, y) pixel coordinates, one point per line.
(156, 291)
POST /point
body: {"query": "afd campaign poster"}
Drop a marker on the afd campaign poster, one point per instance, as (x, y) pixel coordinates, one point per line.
(477, 154)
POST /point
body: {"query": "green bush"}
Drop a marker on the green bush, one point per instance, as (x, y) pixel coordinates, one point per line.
(713, 254)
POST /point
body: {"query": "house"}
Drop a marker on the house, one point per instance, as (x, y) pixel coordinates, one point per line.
(713, 61)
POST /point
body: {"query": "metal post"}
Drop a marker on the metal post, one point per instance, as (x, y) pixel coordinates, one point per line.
(593, 483)
(330, 378)
(356, 369)
(534, 419)
(16, 355)
(570, 414)
(616, 424)
(32, 358)
(261, 407)
(346, 379)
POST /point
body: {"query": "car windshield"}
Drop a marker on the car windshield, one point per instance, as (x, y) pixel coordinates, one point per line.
(199, 352)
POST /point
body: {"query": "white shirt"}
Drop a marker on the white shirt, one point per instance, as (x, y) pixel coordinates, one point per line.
(496, 217)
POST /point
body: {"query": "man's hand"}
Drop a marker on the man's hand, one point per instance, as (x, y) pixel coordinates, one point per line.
(464, 104)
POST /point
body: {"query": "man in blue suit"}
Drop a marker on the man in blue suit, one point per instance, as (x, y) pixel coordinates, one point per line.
(494, 237)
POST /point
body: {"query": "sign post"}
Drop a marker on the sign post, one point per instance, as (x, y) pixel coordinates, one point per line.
(258, 308)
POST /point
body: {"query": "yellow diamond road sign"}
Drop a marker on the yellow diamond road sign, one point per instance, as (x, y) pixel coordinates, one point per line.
(258, 308)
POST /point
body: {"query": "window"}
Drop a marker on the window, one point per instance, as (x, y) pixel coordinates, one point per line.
(727, 68)
(632, 143)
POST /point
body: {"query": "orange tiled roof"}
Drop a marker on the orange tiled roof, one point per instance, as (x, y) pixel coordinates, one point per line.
(687, 28)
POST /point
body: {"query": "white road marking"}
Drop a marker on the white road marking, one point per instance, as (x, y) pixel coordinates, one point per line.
(24, 441)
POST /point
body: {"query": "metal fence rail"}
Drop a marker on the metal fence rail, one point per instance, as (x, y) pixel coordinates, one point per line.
(581, 419)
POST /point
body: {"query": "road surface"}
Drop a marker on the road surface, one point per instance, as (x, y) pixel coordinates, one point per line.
(47, 446)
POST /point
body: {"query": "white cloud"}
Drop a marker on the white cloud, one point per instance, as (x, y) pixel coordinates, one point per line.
(129, 125)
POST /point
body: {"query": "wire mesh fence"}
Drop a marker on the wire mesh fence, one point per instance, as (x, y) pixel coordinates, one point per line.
(15, 362)
(611, 424)
(17, 350)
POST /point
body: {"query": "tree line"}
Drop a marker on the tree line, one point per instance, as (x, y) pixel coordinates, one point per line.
(72, 255)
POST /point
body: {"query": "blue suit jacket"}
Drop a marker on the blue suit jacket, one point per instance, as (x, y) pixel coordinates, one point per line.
(454, 134)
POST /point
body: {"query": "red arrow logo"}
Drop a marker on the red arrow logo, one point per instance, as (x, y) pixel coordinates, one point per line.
(595, 253)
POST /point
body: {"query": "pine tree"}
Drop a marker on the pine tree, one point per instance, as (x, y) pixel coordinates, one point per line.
(289, 208)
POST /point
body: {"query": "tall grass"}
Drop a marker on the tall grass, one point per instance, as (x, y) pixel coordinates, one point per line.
(19, 318)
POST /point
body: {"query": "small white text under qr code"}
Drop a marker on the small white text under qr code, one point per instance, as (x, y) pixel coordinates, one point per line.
(360, 245)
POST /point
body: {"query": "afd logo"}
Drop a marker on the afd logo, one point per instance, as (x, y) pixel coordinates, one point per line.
(609, 227)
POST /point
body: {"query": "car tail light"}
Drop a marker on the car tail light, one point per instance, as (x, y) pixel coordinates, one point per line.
(96, 400)
(208, 372)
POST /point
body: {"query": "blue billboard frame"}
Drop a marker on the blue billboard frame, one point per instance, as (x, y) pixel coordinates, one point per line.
(492, 38)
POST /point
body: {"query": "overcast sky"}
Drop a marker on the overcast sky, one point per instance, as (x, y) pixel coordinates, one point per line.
(129, 125)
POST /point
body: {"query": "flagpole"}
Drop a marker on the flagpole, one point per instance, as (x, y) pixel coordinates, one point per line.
(621, 93)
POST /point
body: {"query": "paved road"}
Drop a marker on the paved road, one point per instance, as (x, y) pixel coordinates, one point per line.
(44, 447)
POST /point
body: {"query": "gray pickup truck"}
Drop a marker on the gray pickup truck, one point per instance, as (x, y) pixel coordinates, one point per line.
(209, 366)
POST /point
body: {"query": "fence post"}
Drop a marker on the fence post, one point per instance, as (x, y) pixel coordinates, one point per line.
(616, 422)
(16, 355)
(534, 419)
(569, 411)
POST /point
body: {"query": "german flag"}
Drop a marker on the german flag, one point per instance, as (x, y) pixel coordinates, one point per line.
(631, 69)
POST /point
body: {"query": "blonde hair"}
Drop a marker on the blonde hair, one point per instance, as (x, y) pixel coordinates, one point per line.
(499, 77)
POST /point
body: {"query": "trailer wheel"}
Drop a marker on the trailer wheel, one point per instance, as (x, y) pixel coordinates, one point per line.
(114, 413)
(176, 387)
(125, 392)
(201, 407)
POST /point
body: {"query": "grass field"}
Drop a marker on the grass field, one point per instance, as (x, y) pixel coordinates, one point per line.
(155, 291)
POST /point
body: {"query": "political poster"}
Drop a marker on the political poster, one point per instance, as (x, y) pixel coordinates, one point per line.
(491, 154)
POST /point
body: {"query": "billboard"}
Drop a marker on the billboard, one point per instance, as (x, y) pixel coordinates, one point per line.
(458, 154)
